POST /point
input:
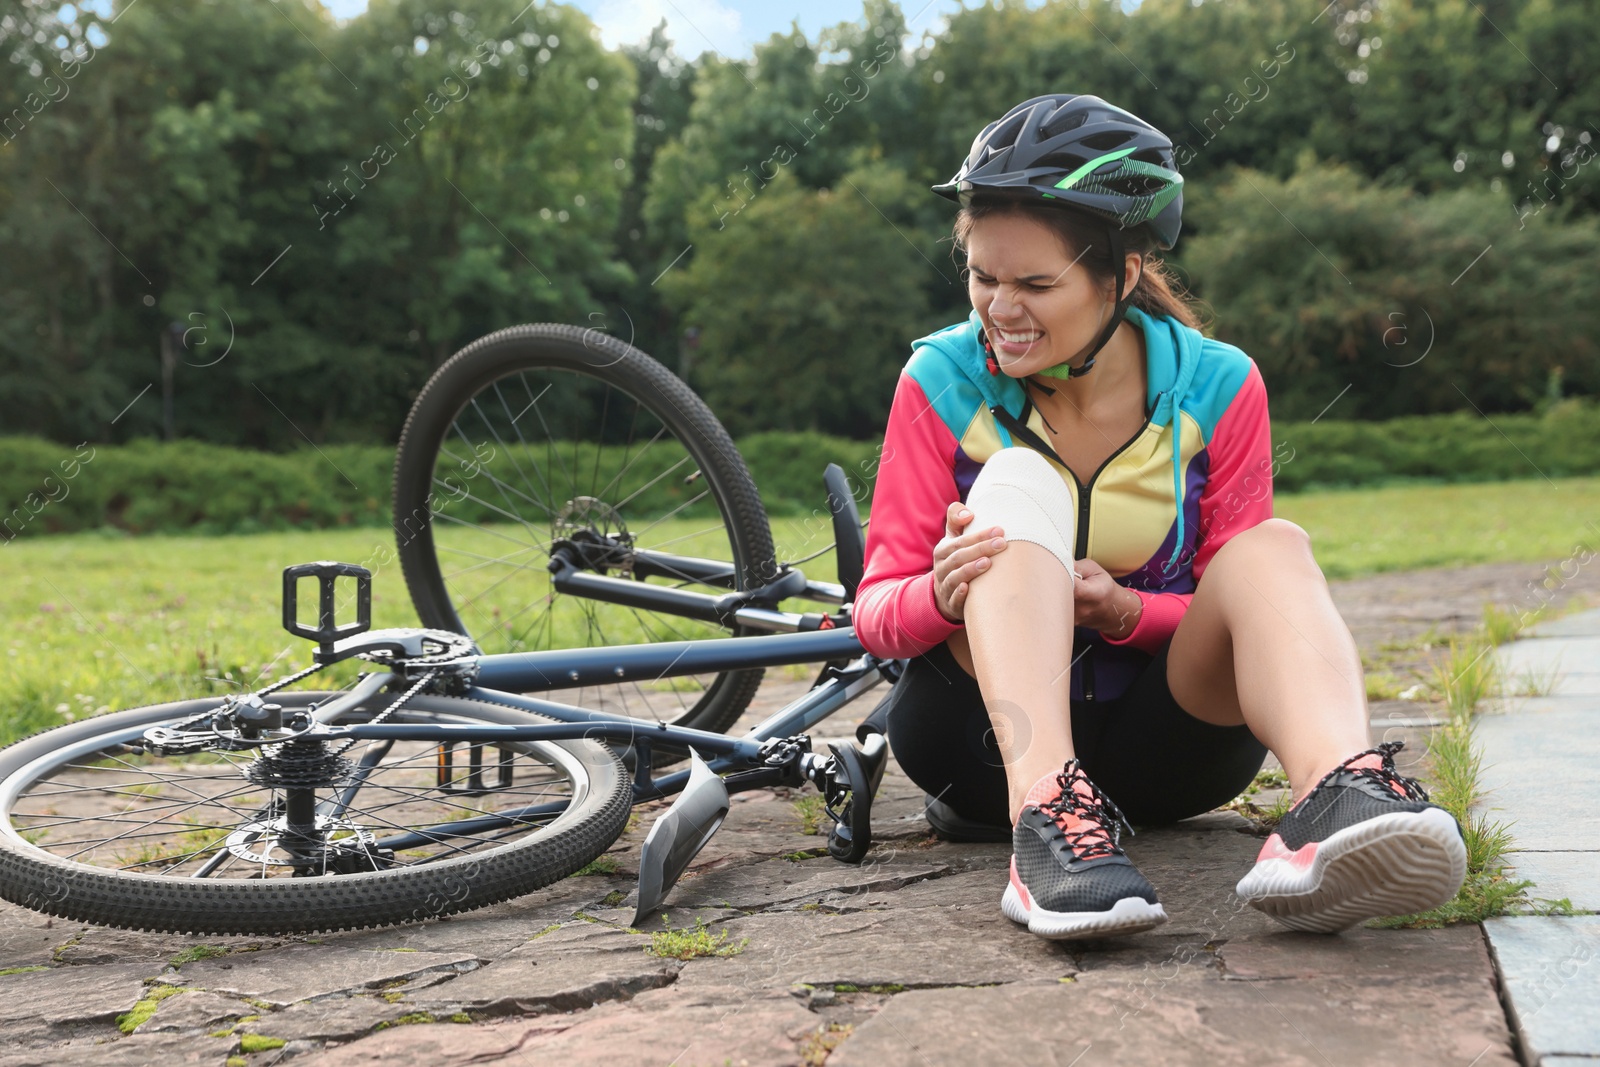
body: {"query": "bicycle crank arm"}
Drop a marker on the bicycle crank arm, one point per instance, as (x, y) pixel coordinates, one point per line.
(679, 834)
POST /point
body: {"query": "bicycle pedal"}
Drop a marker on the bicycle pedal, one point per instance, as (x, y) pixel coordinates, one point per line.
(851, 835)
(449, 782)
(327, 631)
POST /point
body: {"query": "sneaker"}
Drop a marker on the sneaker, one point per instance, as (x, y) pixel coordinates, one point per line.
(1069, 876)
(1364, 843)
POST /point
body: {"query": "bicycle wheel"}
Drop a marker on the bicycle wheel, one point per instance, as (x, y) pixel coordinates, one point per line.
(94, 829)
(540, 433)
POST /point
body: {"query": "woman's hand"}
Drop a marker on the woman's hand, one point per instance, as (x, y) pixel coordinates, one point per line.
(960, 558)
(1099, 603)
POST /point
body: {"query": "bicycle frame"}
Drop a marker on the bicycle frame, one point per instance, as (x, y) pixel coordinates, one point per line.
(742, 760)
(502, 678)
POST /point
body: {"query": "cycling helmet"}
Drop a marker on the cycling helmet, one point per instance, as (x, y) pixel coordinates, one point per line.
(1083, 153)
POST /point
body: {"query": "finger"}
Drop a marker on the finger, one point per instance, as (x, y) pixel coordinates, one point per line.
(958, 601)
(965, 557)
(989, 533)
(965, 551)
(956, 517)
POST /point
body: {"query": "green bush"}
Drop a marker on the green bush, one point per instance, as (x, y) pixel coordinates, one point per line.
(187, 487)
(190, 487)
(1459, 447)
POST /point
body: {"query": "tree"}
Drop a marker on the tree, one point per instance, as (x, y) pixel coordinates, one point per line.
(1391, 302)
(807, 304)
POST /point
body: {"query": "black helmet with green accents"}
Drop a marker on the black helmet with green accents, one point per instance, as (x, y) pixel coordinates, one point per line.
(1084, 152)
(1080, 152)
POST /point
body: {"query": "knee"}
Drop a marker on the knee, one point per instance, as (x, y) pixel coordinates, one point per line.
(1278, 536)
(1021, 493)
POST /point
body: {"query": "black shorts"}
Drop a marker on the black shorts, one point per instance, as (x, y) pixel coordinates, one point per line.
(1155, 760)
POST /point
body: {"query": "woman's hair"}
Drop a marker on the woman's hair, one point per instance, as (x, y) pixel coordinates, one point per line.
(1159, 291)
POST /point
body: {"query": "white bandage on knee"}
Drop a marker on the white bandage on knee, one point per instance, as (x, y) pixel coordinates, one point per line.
(1020, 492)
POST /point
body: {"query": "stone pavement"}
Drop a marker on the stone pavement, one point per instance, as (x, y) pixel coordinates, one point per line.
(902, 960)
(1540, 759)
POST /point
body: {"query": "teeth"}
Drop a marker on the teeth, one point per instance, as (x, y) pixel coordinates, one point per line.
(1018, 338)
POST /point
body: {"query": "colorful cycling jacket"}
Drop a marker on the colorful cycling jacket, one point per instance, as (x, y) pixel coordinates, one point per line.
(1198, 472)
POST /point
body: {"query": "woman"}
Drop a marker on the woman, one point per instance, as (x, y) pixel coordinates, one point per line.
(1072, 543)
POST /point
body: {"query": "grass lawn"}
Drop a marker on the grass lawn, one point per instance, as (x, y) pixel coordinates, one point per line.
(95, 623)
(1355, 532)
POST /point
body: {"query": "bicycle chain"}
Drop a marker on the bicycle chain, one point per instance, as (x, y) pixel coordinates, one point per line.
(293, 678)
(391, 709)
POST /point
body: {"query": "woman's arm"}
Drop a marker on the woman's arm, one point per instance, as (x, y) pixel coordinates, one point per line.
(895, 614)
(1237, 495)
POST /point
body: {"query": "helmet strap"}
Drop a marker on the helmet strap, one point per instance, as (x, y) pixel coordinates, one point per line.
(1118, 257)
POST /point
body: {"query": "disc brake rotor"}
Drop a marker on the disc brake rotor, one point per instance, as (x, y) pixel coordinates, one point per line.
(270, 842)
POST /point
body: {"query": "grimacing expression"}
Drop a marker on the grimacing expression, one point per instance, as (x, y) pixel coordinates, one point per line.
(1038, 305)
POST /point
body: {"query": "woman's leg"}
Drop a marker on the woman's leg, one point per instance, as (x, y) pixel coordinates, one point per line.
(1262, 644)
(1019, 644)
(1019, 615)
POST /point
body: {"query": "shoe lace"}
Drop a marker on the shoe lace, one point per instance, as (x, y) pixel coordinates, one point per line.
(1100, 831)
(1384, 775)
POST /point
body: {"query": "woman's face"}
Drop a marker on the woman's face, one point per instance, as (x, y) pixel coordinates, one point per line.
(1039, 307)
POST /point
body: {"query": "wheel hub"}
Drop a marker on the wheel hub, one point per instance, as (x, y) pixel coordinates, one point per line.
(334, 844)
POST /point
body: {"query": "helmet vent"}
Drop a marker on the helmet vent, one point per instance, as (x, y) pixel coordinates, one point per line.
(1062, 121)
(1109, 139)
(1134, 186)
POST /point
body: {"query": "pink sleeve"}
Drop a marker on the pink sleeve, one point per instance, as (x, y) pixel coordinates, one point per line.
(1237, 495)
(895, 615)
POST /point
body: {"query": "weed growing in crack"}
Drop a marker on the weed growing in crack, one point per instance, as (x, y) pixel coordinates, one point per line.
(146, 1007)
(598, 865)
(688, 943)
(1469, 673)
(816, 1046)
(812, 810)
(197, 952)
(249, 1043)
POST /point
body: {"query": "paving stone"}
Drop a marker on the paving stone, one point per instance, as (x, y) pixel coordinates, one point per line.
(1573, 876)
(336, 1019)
(99, 944)
(1196, 1020)
(538, 978)
(1536, 762)
(712, 1026)
(1379, 956)
(489, 932)
(300, 972)
(1542, 657)
(1583, 624)
(774, 881)
(195, 1012)
(951, 893)
(152, 1049)
(899, 947)
(28, 938)
(67, 1000)
(1550, 966)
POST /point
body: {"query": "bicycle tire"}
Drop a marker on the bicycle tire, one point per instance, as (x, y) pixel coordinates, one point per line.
(39, 879)
(466, 401)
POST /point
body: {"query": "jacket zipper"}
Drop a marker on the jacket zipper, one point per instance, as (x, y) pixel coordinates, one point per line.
(1021, 430)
